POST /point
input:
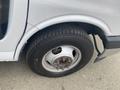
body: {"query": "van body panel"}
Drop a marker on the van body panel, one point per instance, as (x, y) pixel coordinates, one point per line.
(15, 30)
(107, 11)
(43, 13)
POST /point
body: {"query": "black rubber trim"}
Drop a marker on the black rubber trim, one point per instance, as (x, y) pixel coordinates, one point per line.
(112, 42)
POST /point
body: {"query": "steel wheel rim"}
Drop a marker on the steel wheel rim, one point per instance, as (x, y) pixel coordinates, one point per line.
(61, 58)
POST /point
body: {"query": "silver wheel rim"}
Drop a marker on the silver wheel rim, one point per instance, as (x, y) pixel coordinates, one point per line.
(61, 58)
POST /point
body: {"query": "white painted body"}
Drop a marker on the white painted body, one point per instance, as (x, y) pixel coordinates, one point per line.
(16, 26)
(43, 13)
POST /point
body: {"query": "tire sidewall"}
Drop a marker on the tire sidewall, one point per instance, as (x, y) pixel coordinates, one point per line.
(41, 48)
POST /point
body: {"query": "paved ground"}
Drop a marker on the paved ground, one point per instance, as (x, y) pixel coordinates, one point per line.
(104, 75)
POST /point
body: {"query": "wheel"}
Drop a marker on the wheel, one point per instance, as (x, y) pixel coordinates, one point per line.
(59, 51)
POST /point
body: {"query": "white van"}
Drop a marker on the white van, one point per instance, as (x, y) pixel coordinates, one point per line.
(55, 34)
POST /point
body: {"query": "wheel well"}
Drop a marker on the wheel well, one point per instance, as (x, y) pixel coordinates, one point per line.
(89, 28)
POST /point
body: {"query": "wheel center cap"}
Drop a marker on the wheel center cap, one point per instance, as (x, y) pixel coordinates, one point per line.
(62, 62)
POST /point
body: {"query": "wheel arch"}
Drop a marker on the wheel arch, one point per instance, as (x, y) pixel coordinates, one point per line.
(100, 28)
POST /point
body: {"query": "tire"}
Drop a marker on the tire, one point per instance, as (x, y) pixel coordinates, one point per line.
(56, 36)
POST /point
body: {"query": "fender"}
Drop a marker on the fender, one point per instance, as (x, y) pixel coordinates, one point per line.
(61, 19)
